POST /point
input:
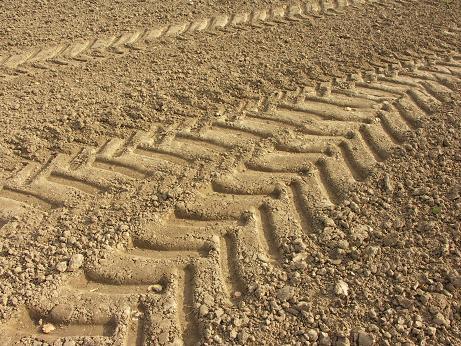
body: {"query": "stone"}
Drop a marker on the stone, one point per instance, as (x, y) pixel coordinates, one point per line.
(456, 281)
(47, 328)
(329, 222)
(440, 320)
(237, 294)
(431, 331)
(75, 262)
(163, 338)
(342, 340)
(324, 339)
(157, 288)
(312, 335)
(387, 183)
(69, 343)
(61, 267)
(219, 312)
(203, 310)
(365, 339)
(285, 293)
(372, 251)
(341, 288)
(359, 233)
(62, 312)
(243, 336)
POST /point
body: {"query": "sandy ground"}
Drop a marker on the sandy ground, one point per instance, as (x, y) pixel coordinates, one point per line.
(239, 173)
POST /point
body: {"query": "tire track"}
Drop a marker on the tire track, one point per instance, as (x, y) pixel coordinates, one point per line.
(113, 303)
(302, 150)
(80, 52)
(329, 125)
(361, 123)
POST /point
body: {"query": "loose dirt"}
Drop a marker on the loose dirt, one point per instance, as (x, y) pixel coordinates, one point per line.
(272, 173)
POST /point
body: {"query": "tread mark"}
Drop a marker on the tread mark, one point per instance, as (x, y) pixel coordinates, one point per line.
(185, 297)
(80, 51)
(302, 211)
(266, 234)
(62, 179)
(28, 198)
(228, 267)
(333, 181)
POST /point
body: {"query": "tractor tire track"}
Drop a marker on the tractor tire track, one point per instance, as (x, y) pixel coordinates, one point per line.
(304, 150)
(80, 52)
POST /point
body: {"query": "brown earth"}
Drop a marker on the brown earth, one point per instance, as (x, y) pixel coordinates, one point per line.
(239, 173)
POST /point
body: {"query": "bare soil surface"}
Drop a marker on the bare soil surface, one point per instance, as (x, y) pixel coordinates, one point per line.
(237, 173)
(31, 23)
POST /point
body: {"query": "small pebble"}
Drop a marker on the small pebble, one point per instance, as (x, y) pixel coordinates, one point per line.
(61, 267)
(47, 328)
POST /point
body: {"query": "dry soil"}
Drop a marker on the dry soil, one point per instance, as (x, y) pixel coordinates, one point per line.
(230, 172)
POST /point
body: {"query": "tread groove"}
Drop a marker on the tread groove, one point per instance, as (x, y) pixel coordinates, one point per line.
(302, 210)
(264, 226)
(27, 198)
(186, 316)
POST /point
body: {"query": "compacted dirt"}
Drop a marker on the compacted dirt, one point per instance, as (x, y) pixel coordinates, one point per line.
(230, 173)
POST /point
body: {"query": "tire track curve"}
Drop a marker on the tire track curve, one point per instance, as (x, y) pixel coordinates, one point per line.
(299, 151)
(79, 52)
